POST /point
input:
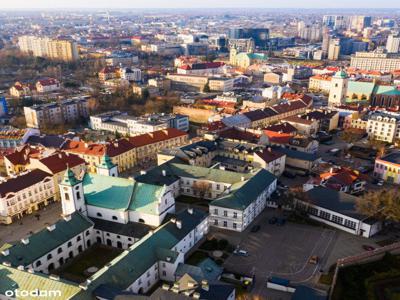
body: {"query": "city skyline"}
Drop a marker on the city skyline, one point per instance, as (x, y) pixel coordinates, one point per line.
(176, 4)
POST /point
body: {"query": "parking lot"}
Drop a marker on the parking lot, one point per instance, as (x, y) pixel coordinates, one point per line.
(282, 251)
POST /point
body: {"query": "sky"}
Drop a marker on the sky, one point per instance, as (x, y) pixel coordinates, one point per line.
(55, 4)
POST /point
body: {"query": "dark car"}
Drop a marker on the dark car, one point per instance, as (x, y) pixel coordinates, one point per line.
(368, 248)
(272, 220)
(280, 222)
(255, 228)
(289, 174)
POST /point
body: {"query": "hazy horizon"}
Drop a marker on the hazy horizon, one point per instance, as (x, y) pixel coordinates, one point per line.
(178, 4)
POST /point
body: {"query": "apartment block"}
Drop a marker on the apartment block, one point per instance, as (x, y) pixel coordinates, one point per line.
(66, 111)
(50, 48)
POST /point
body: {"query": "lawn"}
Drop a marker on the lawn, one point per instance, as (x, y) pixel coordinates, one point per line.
(370, 281)
(96, 256)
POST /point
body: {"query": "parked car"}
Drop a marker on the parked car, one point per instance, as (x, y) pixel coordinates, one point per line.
(380, 182)
(368, 247)
(289, 174)
(272, 220)
(241, 252)
(313, 260)
(280, 222)
(255, 228)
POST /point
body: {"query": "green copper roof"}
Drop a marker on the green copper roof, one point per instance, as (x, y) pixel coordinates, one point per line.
(146, 198)
(44, 241)
(121, 194)
(392, 93)
(12, 278)
(135, 261)
(69, 178)
(245, 192)
(360, 87)
(380, 89)
(340, 74)
(108, 192)
(106, 163)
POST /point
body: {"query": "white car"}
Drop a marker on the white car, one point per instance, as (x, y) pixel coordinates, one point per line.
(380, 182)
(241, 252)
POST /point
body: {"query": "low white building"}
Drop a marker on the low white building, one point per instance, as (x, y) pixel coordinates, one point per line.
(243, 203)
(337, 209)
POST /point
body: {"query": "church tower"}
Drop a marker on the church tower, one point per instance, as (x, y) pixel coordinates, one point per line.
(338, 91)
(72, 197)
(106, 167)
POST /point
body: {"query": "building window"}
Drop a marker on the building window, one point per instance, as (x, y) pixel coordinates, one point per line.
(59, 250)
(66, 196)
(235, 215)
(216, 222)
(325, 215)
(234, 225)
(114, 218)
(164, 273)
(49, 256)
(225, 224)
(216, 211)
(350, 224)
(78, 238)
(337, 219)
(78, 195)
(225, 213)
(38, 263)
(69, 244)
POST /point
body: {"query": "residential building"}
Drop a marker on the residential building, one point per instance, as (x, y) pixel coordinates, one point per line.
(297, 161)
(21, 89)
(47, 85)
(24, 194)
(56, 49)
(270, 160)
(383, 126)
(116, 121)
(244, 203)
(320, 83)
(337, 209)
(202, 68)
(387, 167)
(188, 83)
(18, 161)
(393, 44)
(327, 119)
(307, 126)
(221, 84)
(149, 144)
(378, 61)
(11, 138)
(66, 111)
(57, 164)
(121, 152)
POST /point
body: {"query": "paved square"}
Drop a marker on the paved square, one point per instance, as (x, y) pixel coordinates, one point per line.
(281, 251)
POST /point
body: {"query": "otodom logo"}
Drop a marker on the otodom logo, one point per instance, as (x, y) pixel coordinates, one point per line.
(53, 294)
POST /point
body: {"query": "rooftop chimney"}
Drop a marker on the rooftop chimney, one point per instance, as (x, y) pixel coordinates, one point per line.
(164, 173)
(51, 227)
(190, 210)
(179, 224)
(25, 241)
(5, 252)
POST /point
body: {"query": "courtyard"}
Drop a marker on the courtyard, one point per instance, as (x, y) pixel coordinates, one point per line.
(85, 264)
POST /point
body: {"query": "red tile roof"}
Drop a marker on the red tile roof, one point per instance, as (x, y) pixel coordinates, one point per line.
(21, 156)
(155, 137)
(59, 161)
(236, 134)
(112, 149)
(282, 128)
(268, 155)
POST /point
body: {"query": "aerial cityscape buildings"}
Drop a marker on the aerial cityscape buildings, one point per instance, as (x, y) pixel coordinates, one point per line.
(199, 153)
